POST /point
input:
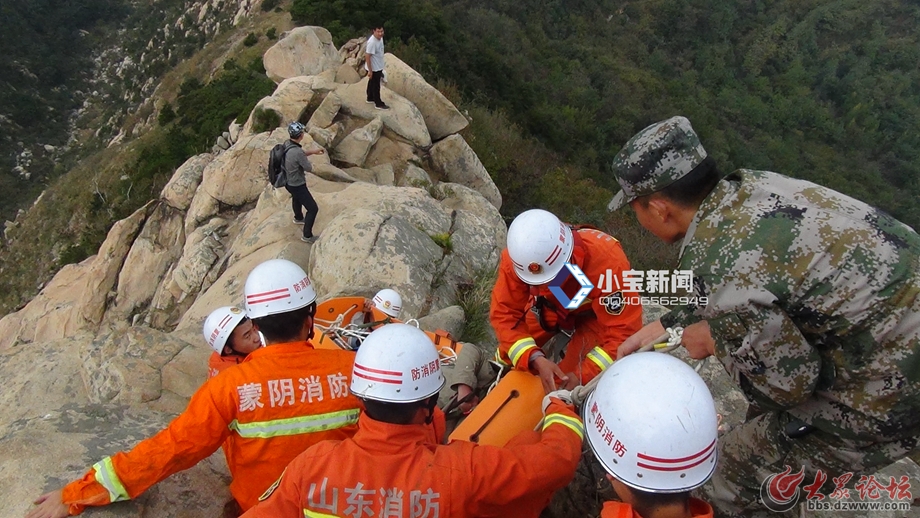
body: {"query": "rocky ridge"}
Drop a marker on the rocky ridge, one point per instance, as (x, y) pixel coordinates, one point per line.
(110, 348)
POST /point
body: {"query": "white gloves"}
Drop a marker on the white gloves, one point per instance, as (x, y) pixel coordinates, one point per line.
(563, 395)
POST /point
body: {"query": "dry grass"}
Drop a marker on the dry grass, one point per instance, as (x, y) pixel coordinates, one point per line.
(475, 298)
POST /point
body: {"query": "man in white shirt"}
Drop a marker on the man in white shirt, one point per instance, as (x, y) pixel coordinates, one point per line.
(373, 57)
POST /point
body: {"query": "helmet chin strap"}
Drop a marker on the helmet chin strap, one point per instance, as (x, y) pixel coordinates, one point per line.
(432, 403)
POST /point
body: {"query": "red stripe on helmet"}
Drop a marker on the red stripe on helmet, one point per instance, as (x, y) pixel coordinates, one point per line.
(268, 296)
(378, 375)
(267, 293)
(374, 378)
(379, 371)
(224, 321)
(677, 464)
(553, 256)
(681, 459)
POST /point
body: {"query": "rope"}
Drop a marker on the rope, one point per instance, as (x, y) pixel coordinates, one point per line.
(412, 322)
(665, 343)
(338, 319)
(448, 356)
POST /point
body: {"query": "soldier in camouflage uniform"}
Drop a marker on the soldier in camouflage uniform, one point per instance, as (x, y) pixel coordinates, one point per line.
(812, 308)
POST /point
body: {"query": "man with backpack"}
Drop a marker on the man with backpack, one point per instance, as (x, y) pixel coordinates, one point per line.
(293, 165)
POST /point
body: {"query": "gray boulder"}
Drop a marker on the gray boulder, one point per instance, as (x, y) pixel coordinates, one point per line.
(353, 149)
(440, 115)
(304, 51)
(181, 188)
(456, 161)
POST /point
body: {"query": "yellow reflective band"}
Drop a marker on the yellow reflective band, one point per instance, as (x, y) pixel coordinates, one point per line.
(600, 358)
(107, 478)
(519, 348)
(572, 423)
(295, 425)
(497, 357)
(313, 514)
(271, 489)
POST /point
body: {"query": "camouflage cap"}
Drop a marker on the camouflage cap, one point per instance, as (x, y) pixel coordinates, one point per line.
(655, 158)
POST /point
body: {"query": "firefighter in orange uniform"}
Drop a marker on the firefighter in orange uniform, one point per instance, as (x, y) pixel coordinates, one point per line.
(232, 335)
(394, 467)
(282, 399)
(528, 316)
(656, 444)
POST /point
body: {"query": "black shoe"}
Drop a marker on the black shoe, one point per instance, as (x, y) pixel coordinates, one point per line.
(382, 106)
(370, 102)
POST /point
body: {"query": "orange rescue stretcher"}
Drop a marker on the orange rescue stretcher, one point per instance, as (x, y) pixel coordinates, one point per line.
(334, 317)
(512, 407)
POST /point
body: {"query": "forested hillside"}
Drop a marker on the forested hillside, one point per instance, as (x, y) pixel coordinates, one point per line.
(827, 90)
(824, 90)
(45, 60)
(76, 76)
(125, 141)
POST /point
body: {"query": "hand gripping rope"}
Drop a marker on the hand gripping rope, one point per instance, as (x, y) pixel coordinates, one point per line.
(665, 343)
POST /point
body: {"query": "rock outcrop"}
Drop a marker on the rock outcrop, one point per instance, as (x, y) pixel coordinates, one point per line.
(42, 452)
(456, 161)
(441, 117)
(111, 347)
(304, 51)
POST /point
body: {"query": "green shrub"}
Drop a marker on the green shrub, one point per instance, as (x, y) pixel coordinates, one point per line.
(442, 239)
(419, 183)
(251, 39)
(268, 5)
(167, 115)
(265, 120)
(271, 33)
(206, 110)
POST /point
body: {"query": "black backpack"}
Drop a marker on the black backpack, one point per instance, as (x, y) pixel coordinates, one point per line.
(277, 176)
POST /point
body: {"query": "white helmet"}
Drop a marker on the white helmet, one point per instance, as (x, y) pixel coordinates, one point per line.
(277, 286)
(397, 363)
(389, 302)
(220, 325)
(652, 424)
(539, 245)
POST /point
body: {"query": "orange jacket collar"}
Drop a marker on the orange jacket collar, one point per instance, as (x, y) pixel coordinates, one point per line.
(278, 348)
(389, 439)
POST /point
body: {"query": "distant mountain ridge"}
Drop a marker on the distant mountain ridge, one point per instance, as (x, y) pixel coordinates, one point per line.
(75, 72)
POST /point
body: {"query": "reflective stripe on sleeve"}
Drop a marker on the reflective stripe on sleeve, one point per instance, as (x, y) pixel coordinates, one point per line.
(107, 478)
(572, 423)
(497, 358)
(313, 514)
(295, 425)
(519, 348)
(600, 358)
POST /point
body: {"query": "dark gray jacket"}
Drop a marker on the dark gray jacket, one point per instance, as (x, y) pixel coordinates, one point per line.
(295, 165)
